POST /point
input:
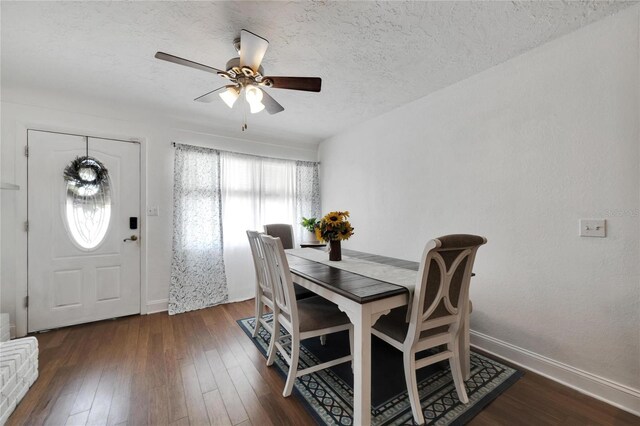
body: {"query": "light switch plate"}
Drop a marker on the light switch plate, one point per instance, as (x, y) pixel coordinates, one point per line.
(152, 211)
(593, 228)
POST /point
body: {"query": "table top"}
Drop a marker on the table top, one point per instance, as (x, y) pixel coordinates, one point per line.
(356, 287)
(312, 245)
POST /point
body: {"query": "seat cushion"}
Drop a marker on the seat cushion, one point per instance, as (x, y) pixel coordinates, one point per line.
(316, 313)
(394, 325)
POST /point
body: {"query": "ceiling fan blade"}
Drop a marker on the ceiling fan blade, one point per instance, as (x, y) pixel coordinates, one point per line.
(186, 62)
(210, 96)
(270, 104)
(252, 49)
(308, 84)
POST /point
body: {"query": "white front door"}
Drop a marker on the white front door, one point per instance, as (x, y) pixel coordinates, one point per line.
(83, 266)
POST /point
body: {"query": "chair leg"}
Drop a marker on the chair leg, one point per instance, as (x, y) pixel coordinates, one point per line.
(293, 368)
(272, 345)
(351, 345)
(412, 386)
(258, 315)
(272, 351)
(465, 352)
(456, 371)
(323, 339)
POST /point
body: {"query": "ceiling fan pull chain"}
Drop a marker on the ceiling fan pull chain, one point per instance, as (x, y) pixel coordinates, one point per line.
(244, 114)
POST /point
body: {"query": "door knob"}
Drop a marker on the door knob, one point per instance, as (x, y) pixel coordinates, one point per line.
(131, 238)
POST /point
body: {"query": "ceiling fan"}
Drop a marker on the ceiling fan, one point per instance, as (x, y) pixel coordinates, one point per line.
(247, 77)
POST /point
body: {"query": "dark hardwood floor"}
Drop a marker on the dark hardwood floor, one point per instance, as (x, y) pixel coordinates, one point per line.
(199, 368)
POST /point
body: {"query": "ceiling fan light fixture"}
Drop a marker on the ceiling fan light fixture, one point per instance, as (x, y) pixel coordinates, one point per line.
(256, 107)
(253, 95)
(230, 96)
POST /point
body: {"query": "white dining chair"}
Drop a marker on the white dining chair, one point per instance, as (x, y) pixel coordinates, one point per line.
(264, 294)
(284, 231)
(439, 308)
(301, 319)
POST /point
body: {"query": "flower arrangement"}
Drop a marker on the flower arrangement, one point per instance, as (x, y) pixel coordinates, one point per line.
(334, 227)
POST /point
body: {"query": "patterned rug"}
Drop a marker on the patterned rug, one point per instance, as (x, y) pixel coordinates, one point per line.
(328, 394)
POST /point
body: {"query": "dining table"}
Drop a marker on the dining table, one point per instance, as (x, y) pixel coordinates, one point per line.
(364, 286)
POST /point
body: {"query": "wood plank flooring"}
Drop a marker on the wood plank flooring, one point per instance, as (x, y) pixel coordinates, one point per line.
(199, 368)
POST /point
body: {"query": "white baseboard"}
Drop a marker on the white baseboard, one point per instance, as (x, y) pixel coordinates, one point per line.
(240, 299)
(616, 394)
(162, 305)
(155, 306)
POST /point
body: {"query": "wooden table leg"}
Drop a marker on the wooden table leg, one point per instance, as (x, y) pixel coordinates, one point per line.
(361, 319)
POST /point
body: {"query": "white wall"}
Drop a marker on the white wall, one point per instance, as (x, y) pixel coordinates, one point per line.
(55, 112)
(518, 154)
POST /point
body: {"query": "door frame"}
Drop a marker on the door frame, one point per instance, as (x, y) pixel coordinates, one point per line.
(21, 161)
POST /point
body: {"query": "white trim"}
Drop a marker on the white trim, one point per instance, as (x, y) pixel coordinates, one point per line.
(144, 232)
(616, 394)
(162, 305)
(155, 306)
(240, 299)
(21, 235)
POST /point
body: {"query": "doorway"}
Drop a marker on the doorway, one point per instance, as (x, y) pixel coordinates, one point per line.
(83, 238)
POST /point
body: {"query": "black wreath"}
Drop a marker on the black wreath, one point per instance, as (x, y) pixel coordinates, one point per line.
(72, 171)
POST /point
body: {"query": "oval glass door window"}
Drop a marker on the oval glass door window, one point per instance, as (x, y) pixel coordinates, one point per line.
(88, 212)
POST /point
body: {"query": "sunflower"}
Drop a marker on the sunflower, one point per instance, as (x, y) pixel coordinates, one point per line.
(334, 227)
(333, 218)
(345, 233)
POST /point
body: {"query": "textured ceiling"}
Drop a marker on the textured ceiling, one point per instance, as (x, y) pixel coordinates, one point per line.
(372, 56)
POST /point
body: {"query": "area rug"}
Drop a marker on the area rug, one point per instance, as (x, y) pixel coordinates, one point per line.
(328, 394)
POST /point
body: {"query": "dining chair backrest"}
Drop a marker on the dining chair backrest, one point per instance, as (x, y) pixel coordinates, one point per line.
(442, 290)
(283, 231)
(279, 276)
(259, 261)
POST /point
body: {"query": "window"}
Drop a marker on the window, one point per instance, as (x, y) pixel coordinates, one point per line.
(257, 191)
(218, 196)
(88, 212)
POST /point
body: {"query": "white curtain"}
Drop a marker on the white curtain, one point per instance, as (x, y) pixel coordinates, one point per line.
(220, 193)
(307, 192)
(198, 278)
(257, 191)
